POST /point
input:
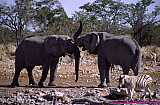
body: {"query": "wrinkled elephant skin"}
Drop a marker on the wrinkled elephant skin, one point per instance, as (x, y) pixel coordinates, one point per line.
(44, 51)
(116, 50)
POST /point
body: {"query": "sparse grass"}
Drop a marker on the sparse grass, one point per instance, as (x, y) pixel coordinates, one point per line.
(10, 49)
(2, 52)
(7, 50)
(153, 74)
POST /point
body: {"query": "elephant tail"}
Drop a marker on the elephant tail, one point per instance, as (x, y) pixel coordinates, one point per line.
(138, 54)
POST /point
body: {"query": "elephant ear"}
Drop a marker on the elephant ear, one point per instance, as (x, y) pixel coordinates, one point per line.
(54, 46)
(95, 40)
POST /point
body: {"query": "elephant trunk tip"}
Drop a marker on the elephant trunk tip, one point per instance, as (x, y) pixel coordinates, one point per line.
(76, 76)
(76, 80)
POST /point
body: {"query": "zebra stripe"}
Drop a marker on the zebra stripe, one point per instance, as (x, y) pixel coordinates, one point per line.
(147, 80)
(138, 81)
(143, 80)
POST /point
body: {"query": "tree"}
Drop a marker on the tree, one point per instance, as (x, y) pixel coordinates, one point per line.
(118, 18)
(50, 15)
(15, 18)
(45, 15)
(106, 14)
(141, 20)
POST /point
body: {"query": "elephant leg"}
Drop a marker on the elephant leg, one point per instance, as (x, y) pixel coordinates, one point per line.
(30, 75)
(125, 70)
(16, 75)
(102, 71)
(136, 68)
(108, 65)
(44, 75)
(53, 71)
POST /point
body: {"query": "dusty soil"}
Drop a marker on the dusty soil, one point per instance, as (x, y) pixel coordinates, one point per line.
(65, 81)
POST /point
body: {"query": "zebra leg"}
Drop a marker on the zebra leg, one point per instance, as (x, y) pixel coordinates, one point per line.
(131, 93)
(149, 91)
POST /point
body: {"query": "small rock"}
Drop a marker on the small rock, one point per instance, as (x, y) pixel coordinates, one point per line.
(92, 93)
(66, 100)
(40, 99)
(48, 97)
(59, 94)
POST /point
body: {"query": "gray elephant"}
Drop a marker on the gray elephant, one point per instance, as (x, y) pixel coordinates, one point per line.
(45, 51)
(111, 50)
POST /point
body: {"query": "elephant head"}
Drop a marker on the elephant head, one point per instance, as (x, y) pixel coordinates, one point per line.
(54, 46)
(58, 46)
(71, 48)
(88, 42)
(91, 40)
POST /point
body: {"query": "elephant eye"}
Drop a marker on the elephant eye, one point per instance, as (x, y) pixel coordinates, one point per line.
(85, 41)
(68, 45)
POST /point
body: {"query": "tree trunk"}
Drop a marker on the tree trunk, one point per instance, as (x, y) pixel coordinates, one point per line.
(17, 40)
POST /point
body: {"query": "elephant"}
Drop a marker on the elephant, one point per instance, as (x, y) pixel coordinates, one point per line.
(111, 50)
(44, 51)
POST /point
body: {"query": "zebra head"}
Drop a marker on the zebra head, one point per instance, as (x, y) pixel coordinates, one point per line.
(122, 81)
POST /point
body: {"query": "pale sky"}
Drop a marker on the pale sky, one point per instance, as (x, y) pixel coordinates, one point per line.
(71, 6)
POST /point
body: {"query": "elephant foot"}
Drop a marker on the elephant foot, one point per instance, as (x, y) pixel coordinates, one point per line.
(51, 84)
(32, 84)
(104, 85)
(14, 84)
(40, 84)
(108, 84)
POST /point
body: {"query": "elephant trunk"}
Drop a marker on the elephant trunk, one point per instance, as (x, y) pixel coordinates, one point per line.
(77, 60)
(78, 32)
(77, 51)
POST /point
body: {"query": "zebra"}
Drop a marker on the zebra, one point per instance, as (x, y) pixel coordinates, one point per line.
(142, 83)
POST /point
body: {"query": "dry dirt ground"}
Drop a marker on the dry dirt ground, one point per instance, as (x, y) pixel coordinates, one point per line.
(67, 89)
